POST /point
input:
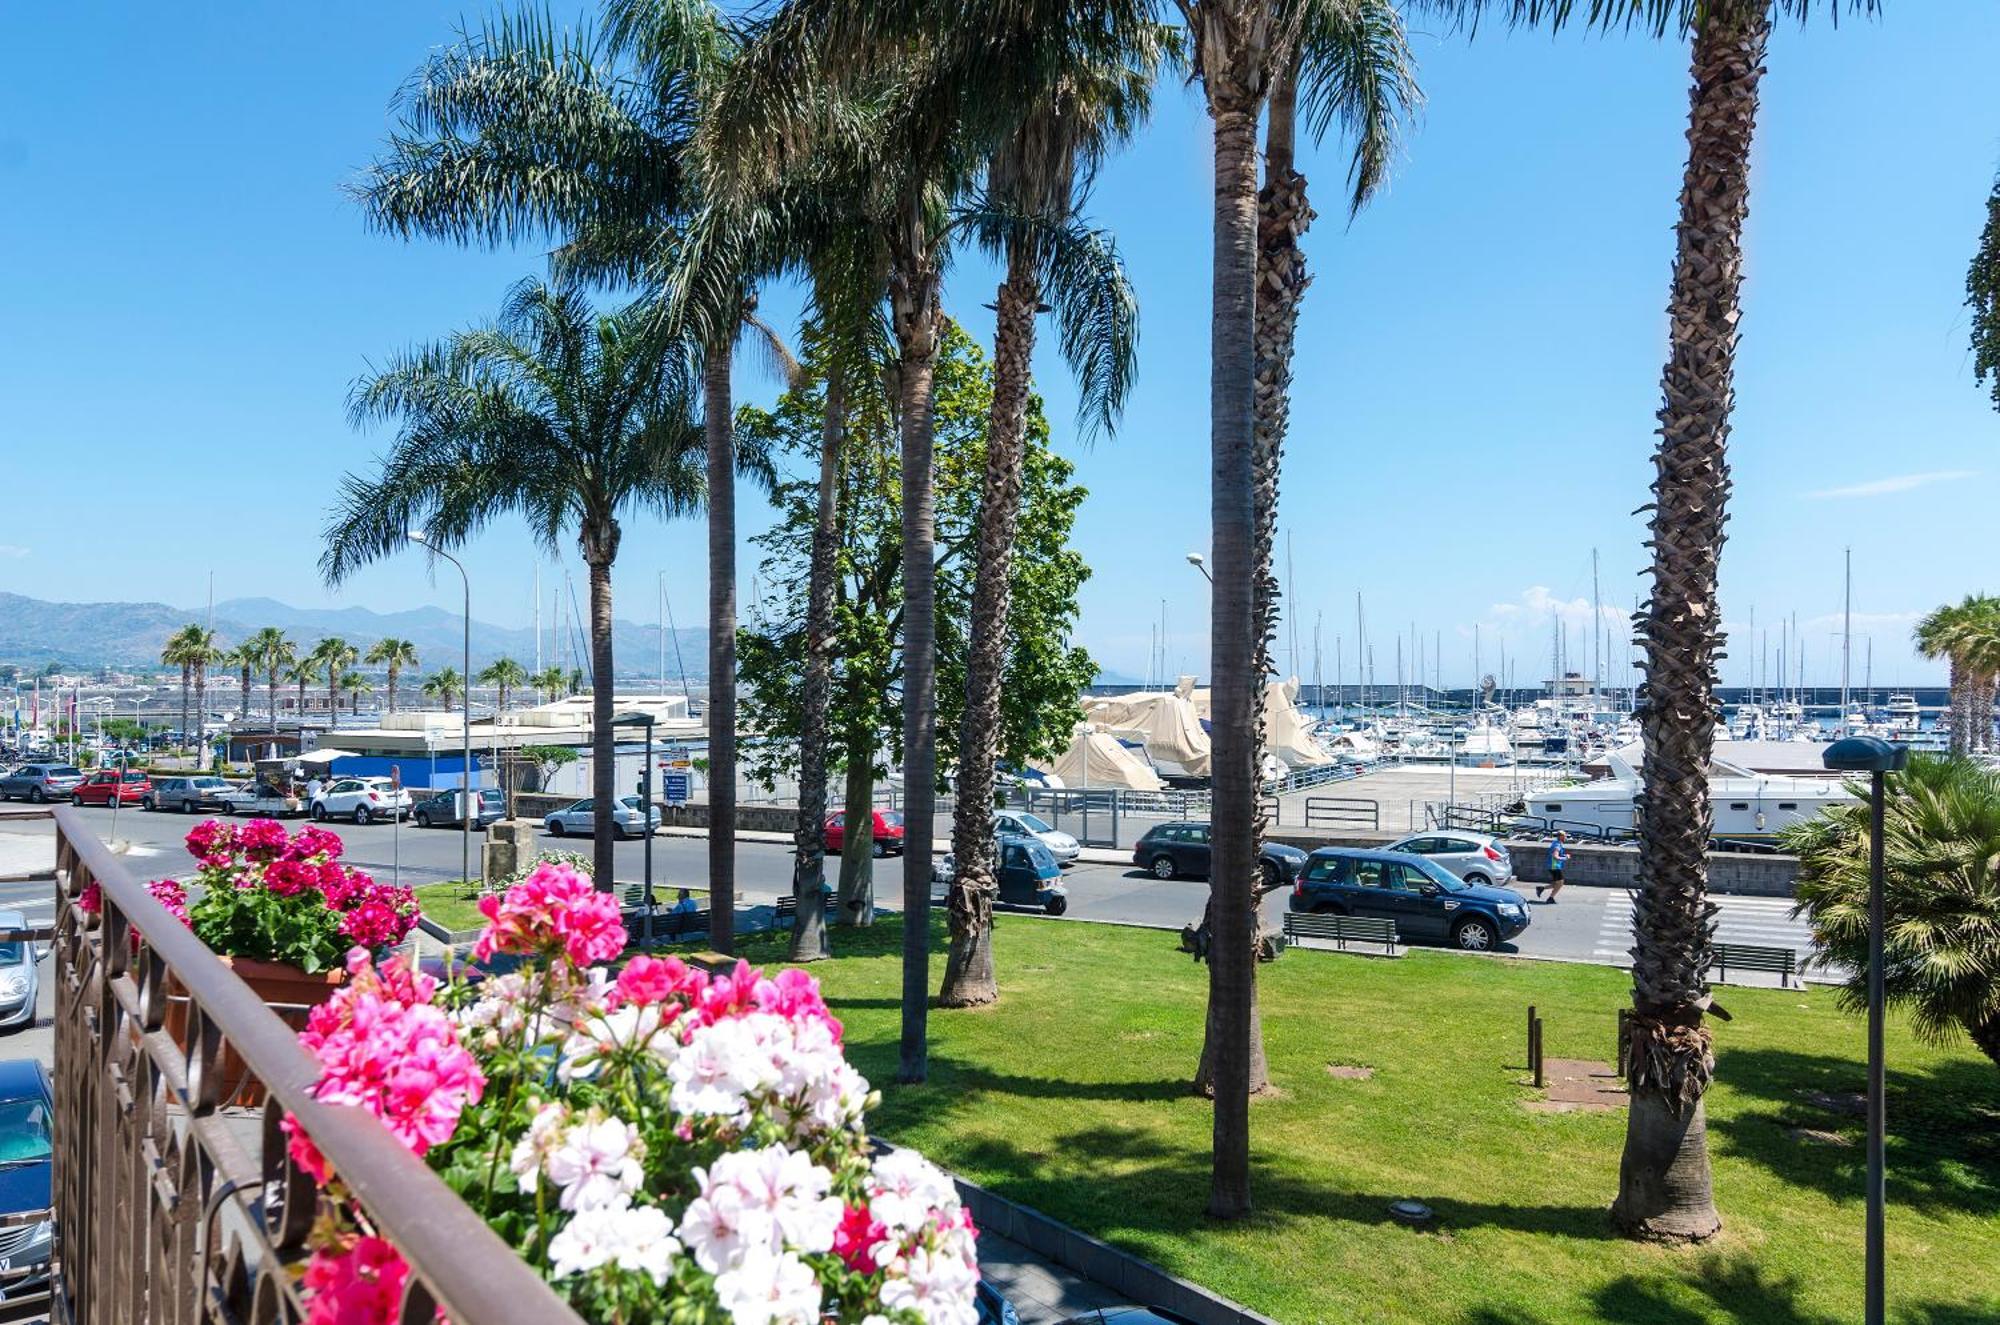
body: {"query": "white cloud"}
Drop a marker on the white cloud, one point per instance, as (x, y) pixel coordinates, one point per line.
(1882, 487)
(12, 550)
(1537, 605)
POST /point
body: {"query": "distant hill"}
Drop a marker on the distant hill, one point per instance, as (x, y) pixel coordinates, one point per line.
(33, 631)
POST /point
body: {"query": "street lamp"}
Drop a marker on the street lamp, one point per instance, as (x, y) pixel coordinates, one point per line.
(1195, 560)
(465, 814)
(1875, 757)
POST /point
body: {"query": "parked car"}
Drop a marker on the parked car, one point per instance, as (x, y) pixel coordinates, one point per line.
(19, 982)
(189, 795)
(1427, 902)
(27, 1111)
(581, 817)
(263, 799)
(1477, 858)
(888, 832)
(362, 799)
(446, 809)
(1028, 873)
(129, 787)
(1019, 823)
(1181, 850)
(40, 783)
(1127, 1316)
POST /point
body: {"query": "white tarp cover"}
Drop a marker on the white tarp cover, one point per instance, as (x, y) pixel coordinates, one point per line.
(1288, 734)
(1095, 759)
(1166, 724)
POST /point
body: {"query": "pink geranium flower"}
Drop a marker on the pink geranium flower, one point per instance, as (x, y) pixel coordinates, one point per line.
(355, 1281)
(648, 981)
(553, 910)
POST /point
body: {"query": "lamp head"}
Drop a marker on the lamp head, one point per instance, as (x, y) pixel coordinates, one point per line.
(417, 536)
(1865, 754)
(1194, 558)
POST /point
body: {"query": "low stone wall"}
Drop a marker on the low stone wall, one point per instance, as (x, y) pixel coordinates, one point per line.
(1734, 873)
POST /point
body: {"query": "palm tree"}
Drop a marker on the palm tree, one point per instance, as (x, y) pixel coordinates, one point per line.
(394, 654)
(557, 413)
(181, 650)
(243, 657)
(1036, 183)
(356, 685)
(300, 671)
(273, 653)
(549, 683)
(445, 686)
(1941, 893)
(202, 654)
(505, 675)
(333, 656)
(1966, 635)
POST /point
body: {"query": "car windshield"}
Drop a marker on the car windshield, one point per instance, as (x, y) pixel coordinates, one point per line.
(1441, 876)
(892, 819)
(134, 775)
(1033, 824)
(10, 954)
(1040, 855)
(1323, 868)
(24, 1132)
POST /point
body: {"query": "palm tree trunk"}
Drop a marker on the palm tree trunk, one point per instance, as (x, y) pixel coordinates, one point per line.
(719, 432)
(600, 549)
(201, 714)
(969, 978)
(271, 695)
(1232, 972)
(392, 682)
(187, 679)
(809, 837)
(856, 898)
(913, 297)
(1664, 1186)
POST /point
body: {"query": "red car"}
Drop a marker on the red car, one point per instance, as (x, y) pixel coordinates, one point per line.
(888, 832)
(99, 788)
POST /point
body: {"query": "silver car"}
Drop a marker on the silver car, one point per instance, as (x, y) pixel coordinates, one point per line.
(188, 794)
(1022, 824)
(580, 817)
(18, 981)
(1478, 858)
(41, 783)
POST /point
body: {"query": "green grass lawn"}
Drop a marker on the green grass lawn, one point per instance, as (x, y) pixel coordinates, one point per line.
(454, 904)
(1071, 1096)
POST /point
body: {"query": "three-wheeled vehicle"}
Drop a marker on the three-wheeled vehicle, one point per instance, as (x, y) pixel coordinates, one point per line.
(1029, 875)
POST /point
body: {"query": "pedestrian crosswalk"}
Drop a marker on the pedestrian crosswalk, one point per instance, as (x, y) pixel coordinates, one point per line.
(1763, 921)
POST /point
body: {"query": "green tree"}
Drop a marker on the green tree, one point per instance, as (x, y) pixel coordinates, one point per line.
(1941, 896)
(243, 657)
(333, 656)
(355, 685)
(1966, 634)
(1982, 296)
(299, 672)
(550, 683)
(557, 413)
(192, 649)
(394, 655)
(1043, 674)
(504, 675)
(445, 685)
(274, 653)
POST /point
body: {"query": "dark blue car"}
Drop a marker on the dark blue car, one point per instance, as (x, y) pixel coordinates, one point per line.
(1427, 902)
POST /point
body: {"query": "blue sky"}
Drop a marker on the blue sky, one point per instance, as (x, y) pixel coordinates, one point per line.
(188, 295)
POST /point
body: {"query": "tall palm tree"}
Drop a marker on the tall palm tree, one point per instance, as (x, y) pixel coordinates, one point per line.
(202, 654)
(243, 657)
(393, 654)
(1036, 183)
(181, 650)
(355, 685)
(505, 675)
(333, 656)
(549, 683)
(557, 413)
(299, 672)
(273, 653)
(445, 686)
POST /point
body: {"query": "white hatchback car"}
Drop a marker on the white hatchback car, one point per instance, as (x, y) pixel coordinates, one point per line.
(1478, 858)
(1020, 823)
(363, 800)
(581, 817)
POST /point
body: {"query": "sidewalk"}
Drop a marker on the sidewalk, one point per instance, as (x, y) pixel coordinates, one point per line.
(940, 845)
(26, 856)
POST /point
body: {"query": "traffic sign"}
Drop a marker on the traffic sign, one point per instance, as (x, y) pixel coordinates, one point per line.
(674, 788)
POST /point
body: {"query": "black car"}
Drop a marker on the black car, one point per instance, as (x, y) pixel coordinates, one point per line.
(26, 1167)
(442, 810)
(1180, 850)
(1426, 901)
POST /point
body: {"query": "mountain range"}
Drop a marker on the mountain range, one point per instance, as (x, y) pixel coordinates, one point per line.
(34, 632)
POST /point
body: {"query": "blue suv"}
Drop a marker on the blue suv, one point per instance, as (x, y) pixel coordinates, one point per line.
(1426, 901)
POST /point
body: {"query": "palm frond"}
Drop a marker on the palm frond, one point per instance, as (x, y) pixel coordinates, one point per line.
(1356, 70)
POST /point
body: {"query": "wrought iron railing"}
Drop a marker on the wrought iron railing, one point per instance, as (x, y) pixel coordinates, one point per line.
(173, 1207)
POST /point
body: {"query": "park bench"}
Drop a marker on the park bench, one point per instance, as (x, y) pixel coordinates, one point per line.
(1317, 929)
(1783, 962)
(667, 923)
(787, 909)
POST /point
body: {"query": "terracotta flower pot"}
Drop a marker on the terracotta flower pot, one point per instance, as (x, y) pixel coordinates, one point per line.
(288, 990)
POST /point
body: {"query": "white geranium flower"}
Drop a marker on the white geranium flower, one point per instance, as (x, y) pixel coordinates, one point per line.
(532, 1149)
(720, 1226)
(904, 1189)
(633, 1239)
(596, 1163)
(792, 1190)
(940, 1288)
(770, 1289)
(721, 1066)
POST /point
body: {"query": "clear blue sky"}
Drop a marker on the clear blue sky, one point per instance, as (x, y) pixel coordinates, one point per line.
(188, 294)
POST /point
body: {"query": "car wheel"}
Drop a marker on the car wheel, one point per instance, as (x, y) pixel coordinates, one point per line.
(35, 796)
(360, 814)
(1163, 867)
(1055, 906)
(188, 807)
(1475, 936)
(1477, 879)
(76, 799)
(145, 802)
(1271, 879)
(423, 820)
(319, 813)
(877, 850)
(556, 828)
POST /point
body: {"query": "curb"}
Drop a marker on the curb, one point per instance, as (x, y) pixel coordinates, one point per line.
(35, 876)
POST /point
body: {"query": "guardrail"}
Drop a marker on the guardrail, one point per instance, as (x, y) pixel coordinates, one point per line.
(171, 1207)
(1343, 812)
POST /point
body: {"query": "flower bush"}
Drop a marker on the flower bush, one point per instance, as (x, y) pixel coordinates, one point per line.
(662, 1145)
(268, 895)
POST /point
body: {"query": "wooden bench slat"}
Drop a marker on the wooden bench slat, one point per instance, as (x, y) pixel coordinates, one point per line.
(1783, 962)
(1341, 929)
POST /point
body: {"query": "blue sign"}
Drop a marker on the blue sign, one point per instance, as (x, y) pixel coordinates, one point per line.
(674, 787)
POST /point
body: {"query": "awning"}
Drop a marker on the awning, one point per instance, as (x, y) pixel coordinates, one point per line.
(326, 756)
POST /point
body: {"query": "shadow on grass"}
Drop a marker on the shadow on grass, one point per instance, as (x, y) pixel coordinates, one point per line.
(1734, 1290)
(1944, 1128)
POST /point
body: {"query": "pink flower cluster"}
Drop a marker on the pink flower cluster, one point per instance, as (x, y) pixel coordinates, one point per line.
(383, 1047)
(261, 854)
(554, 911)
(357, 1280)
(166, 892)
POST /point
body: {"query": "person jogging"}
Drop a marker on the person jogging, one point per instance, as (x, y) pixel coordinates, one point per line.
(1558, 859)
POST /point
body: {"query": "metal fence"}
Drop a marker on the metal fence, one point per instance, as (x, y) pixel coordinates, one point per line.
(173, 1207)
(1343, 812)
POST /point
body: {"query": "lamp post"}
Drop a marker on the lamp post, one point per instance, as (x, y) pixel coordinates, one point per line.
(465, 814)
(1195, 560)
(1867, 754)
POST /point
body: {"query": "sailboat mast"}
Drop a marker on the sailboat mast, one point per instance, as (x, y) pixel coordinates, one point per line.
(1846, 633)
(1596, 628)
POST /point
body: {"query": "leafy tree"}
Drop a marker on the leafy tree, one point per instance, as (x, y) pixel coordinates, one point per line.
(355, 685)
(504, 675)
(334, 656)
(1043, 676)
(548, 760)
(243, 657)
(394, 655)
(274, 653)
(551, 683)
(1941, 896)
(1966, 634)
(445, 685)
(1982, 296)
